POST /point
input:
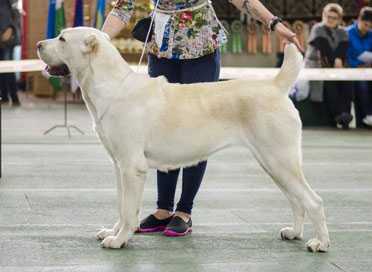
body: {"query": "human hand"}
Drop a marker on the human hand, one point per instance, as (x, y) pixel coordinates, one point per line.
(112, 26)
(338, 63)
(7, 34)
(288, 35)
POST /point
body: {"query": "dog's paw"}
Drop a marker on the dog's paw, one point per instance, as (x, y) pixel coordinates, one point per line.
(315, 245)
(113, 242)
(103, 233)
(288, 233)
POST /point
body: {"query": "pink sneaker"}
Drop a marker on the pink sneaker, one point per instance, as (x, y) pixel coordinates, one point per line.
(178, 227)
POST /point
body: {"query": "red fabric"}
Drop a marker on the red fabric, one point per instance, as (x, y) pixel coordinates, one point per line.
(24, 30)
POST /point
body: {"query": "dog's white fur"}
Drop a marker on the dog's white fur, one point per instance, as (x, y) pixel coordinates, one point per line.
(149, 123)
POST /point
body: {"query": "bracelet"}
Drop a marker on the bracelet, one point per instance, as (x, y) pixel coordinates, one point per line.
(273, 22)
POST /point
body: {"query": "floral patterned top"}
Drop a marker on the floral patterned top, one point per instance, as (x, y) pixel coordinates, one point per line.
(187, 34)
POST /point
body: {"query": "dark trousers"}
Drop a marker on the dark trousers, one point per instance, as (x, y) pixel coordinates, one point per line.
(203, 69)
(8, 83)
(338, 96)
(363, 97)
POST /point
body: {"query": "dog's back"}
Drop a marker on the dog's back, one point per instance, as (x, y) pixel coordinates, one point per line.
(284, 80)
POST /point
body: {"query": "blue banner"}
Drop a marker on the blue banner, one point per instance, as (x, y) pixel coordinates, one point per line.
(79, 13)
(51, 25)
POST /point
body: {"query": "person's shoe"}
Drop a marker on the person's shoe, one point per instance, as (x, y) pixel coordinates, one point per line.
(16, 104)
(4, 101)
(178, 227)
(368, 120)
(152, 224)
(344, 120)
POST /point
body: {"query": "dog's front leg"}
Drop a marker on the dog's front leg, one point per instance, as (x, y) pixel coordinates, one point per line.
(104, 232)
(133, 180)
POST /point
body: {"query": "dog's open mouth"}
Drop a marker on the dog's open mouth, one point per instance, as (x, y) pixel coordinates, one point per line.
(60, 70)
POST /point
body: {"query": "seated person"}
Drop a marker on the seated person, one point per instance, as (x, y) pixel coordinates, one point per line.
(327, 47)
(360, 41)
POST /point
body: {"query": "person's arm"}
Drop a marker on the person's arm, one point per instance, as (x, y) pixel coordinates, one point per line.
(340, 54)
(353, 54)
(339, 63)
(6, 23)
(341, 50)
(259, 12)
(254, 8)
(118, 17)
(113, 25)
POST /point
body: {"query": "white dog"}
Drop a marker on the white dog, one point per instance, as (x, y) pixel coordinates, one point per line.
(147, 123)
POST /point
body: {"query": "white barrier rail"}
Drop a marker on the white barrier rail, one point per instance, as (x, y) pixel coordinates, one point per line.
(226, 72)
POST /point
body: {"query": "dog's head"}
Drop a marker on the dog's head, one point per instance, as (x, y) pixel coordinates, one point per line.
(72, 49)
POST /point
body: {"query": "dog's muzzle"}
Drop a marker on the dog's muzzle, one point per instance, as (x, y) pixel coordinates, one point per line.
(60, 70)
(57, 70)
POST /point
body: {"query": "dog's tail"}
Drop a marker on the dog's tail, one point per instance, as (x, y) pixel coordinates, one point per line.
(292, 65)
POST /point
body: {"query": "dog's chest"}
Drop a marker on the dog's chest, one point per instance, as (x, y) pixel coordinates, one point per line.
(98, 128)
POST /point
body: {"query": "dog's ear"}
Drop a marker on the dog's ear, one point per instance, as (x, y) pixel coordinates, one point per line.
(90, 44)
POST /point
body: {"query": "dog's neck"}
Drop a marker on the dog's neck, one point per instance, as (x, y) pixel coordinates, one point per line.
(100, 87)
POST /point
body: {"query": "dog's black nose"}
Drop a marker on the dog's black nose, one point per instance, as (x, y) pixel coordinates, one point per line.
(39, 45)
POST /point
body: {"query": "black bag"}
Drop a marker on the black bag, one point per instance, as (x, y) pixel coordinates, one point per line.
(141, 29)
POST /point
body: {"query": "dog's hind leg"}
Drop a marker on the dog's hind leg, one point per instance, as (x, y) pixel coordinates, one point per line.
(280, 155)
(296, 231)
(133, 179)
(104, 232)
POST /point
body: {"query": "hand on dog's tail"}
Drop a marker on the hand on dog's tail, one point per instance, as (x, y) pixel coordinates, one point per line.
(292, 65)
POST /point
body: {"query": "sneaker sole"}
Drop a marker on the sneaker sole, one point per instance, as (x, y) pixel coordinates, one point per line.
(150, 230)
(367, 123)
(171, 233)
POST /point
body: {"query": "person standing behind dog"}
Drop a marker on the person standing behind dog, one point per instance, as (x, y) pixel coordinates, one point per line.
(360, 40)
(328, 44)
(9, 37)
(185, 49)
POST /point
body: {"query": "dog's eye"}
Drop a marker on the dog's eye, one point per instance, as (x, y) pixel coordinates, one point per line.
(62, 39)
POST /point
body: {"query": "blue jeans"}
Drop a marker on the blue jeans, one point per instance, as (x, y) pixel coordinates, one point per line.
(203, 69)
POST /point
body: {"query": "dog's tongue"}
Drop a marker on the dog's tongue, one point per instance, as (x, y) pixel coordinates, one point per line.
(61, 70)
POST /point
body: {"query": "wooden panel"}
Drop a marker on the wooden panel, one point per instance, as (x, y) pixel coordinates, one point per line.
(38, 85)
(225, 10)
(288, 9)
(299, 9)
(37, 18)
(350, 7)
(276, 7)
